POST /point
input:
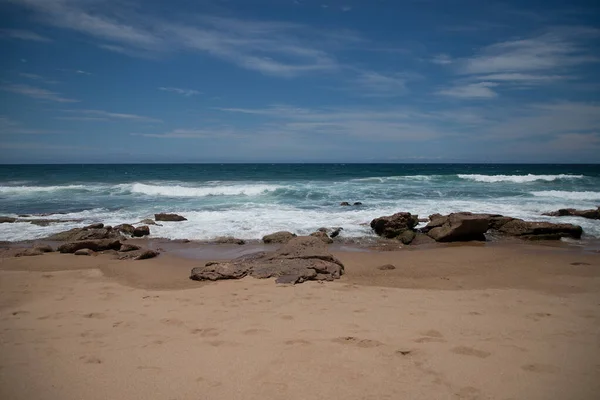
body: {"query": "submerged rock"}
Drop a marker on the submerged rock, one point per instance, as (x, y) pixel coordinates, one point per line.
(7, 220)
(279, 237)
(169, 217)
(302, 258)
(344, 204)
(571, 212)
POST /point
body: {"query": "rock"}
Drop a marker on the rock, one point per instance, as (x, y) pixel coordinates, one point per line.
(420, 239)
(140, 231)
(406, 237)
(44, 248)
(146, 254)
(302, 258)
(540, 230)
(148, 221)
(228, 240)
(344, 204)
(336, 232)
(357, 203)
(83, 252)
(386, 267)
(126, 247)
(497, 221)
(392, 226)
(7, 220)
(28, 253)
(126, 228)
(279, 237)
(95, 226)
(169, 217)
(459, 227)
(85, 234)
(571, 212)
(323, 236)
(94, 245)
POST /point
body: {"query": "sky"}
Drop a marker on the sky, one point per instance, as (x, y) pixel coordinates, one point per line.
(456, 81)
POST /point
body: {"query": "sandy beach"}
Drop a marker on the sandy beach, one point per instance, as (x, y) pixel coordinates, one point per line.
(453, 322)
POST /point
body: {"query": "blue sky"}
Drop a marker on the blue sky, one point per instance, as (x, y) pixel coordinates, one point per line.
(299, 81)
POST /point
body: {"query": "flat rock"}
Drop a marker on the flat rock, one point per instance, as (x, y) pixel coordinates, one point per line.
(459, 227)
(228, 240)
(540, 230)
(169, 217)
(279, 237)
(28, 253)
(571, 212)
(83, 252)
(146, 254)
(85, 234)
(126, 247)
(94, 245)
(7, 220)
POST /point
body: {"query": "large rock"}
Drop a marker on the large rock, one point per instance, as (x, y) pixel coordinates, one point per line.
(458, 227)
(301, 259)
(228, 240)
(94, 245)
(169, 217)
(8, 220)
(126, 229)
(279, 237)
(85, 234)
(540, 230)
(392, 226)
(323, 236)
(571, 212)
(141, 231)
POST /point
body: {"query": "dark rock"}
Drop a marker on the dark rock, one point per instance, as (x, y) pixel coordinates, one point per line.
(126, 247)
(420, 239)
(344, 204)
(23, 215)
(146, 254)
(459, 227)
(140, 231)
(571, 212)
(392, 226)
(95, 226)
(84, 234)
(94, 245)
(148, 221)
(540, 230)
(279, 237)
(83, 252)
(44, 248)
(302, 258)
(323, 236)
(169, 217)
(386, 267)
(8, 220)
(126, 228)
(335, 232)
(497, 221)
(228, 240)
(357, 203)
(406, 237)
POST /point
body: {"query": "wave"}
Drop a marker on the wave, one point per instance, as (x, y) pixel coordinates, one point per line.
(383, 179)
(561, 194)
(32, 189)
(186, 191)
(516, 178)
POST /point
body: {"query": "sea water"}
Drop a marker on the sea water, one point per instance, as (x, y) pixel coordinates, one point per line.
(250, 200)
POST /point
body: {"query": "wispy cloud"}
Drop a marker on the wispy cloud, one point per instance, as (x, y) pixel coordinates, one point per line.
(184, 92)
(99, 115)
(36, 77)
(374, 84)
(479, 90)
(217, 133)
(272, 48)
(23, 35)
(442, 59)
(9, 126)
(37, 93)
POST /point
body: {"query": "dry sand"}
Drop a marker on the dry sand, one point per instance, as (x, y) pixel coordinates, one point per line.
(459, 322)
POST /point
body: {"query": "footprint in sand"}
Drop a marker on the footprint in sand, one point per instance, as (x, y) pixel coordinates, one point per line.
(95, 315)
(296, 341)
(90, 360)
(469, 351)
(538, 316)
(172, 321)
(363, 343)
(431, 336)
(206, 332)
(254, 331)
(540, 368)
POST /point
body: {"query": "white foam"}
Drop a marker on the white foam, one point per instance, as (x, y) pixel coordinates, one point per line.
(188, 191)
(31, 189)
(383, 179)
(561, 194)
(516, 178)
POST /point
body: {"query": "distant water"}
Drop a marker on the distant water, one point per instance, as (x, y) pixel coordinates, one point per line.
(251, 200)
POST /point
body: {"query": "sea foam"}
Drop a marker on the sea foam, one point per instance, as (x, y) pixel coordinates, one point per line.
(516, 178)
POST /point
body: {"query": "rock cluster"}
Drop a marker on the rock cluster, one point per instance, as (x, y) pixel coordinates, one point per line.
(300, 259)
(571, 212)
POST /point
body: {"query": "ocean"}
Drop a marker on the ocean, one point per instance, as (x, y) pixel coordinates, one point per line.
(251, 200)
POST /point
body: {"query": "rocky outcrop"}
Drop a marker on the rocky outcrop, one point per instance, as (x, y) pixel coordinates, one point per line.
(125, 228)
(169, 217)
(394, 225)
(323, 236)
(85, 234)
(279, 237)
(7, 220)
(540, 230)
(571, 212)
(421, 239)
(228, 240)
(94, 245)
(458, 227)
(302, 258)
(141, 231)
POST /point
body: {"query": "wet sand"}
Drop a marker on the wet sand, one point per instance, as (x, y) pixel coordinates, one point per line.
(451, 322)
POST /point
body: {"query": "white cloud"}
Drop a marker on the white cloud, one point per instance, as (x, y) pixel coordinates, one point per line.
(479, 90)
(23, 35)
(12, 127)
(193, 134)
(379, 85)
(521, 78)
(98, 115)
(37, 93)
(184, 92)
(442, 59)
(37, 78)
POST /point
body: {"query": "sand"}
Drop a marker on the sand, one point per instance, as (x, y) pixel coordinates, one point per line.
(457, 322)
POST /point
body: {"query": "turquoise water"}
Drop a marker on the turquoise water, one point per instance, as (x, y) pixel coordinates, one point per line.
(250, 200)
